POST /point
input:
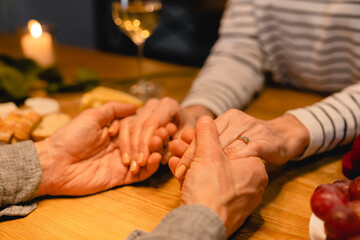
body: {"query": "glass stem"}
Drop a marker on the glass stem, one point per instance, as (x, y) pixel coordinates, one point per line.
(139, 61)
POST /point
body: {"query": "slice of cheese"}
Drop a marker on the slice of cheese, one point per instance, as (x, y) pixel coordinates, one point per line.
(101, 95)
(43, 106)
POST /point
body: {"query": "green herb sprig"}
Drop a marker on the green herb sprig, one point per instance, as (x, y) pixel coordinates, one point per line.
(18, 76)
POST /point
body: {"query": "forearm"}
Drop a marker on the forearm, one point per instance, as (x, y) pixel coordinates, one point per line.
(332, 122)
(197, 111)
(225, 82)
(191, 114)
(233, 72)
(20, 176)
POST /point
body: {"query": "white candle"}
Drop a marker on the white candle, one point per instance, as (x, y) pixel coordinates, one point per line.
(38, 45)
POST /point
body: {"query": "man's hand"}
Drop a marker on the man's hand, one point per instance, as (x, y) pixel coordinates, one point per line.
(231, 186)
(82, 157)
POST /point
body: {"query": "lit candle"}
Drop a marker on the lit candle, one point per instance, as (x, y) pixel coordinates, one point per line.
(38, 44)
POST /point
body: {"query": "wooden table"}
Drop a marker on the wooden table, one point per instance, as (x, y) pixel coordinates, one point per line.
(283, 214)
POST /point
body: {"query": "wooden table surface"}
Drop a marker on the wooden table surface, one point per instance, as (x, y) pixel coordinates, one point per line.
(283, 214)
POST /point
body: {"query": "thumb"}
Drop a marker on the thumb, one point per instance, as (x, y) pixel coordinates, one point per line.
(207, 138)
(109, 111)
(204, 146)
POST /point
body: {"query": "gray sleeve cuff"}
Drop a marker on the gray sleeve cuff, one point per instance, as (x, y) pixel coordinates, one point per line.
(20, 177)
(186, 222)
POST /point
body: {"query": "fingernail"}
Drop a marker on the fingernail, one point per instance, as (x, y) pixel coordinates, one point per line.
(133, 166)
(180, 171)
(126, 159)
(168, 155)
(111, 130)
(141, 158)
(166, 158)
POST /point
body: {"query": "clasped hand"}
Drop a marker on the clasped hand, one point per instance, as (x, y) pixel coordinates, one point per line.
(229, 185)
(84, 156)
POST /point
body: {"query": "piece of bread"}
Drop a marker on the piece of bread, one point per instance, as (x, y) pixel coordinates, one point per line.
(48, 125)
(101, 95)
(29, 120)
(6, 132)
(17, 125)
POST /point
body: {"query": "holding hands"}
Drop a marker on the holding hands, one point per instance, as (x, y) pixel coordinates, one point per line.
(276, 141)
(93, 152)
(144, 137)
(229, 185)
(109, 146)
(82, 157)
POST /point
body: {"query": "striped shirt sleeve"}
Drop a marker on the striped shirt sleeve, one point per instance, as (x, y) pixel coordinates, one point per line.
(233, 72)
(309, 45)
(333, 122)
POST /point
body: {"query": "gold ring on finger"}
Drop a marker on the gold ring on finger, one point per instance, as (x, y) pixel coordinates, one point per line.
(245, 140)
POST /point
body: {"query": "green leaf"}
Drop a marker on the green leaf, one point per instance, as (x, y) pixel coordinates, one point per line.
(51, 75)
(14, 82)
(84, 75)
(27, 66)
(6, 59)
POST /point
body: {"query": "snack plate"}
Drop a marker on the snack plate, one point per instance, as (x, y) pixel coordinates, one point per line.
(316, 228)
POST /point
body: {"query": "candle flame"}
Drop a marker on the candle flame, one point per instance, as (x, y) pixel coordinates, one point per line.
(34, 28)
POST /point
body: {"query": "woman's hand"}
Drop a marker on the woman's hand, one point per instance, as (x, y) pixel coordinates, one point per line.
(276, 141)
(144, 136)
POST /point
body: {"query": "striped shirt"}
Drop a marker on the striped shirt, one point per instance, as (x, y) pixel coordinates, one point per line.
(308, 44)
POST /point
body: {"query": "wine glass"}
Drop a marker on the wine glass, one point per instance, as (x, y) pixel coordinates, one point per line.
(137, 19)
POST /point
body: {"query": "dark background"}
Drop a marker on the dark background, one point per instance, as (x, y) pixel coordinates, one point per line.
(185, 34)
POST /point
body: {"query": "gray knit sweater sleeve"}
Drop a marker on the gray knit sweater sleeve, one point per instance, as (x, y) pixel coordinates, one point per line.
(20, 177)
(190, 222)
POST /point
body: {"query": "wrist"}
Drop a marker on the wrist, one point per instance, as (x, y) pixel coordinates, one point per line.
(46, 163)
(294, 134)
(197, 111)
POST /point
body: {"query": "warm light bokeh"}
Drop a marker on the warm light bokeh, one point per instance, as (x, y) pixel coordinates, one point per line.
(34, 28)
(38, 44)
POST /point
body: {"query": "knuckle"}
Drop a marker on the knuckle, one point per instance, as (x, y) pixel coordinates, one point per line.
(259, 171)
(150, 122)
(170, 101)
(167, 99)
(152, 101)
(233, 111)
(133, 129)
(263, 176)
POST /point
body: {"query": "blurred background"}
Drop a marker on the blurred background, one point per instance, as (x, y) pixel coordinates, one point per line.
(185, 34)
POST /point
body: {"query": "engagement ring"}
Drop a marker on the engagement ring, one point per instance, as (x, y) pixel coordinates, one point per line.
(246, 140)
